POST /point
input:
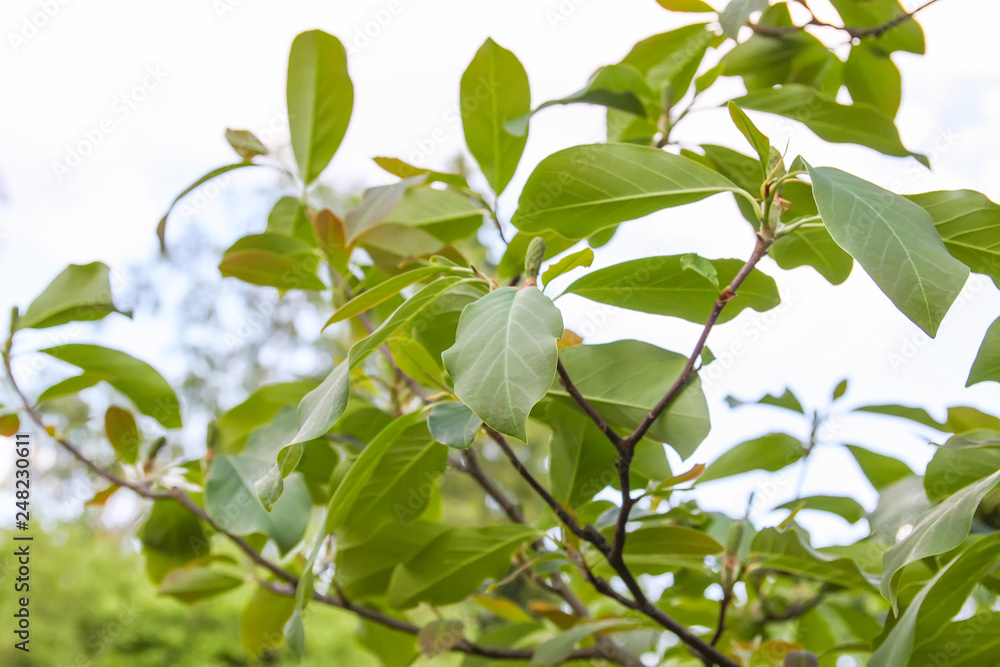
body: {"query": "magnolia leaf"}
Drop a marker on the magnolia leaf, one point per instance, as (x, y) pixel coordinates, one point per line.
(77, 294)
(504, 357)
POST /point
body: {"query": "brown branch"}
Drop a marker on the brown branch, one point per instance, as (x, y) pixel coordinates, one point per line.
(728, 294)
(590, 534)
(473, 469)
(854, 31)
(571, 389)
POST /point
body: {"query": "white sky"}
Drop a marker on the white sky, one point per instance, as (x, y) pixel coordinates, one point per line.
(222, 63)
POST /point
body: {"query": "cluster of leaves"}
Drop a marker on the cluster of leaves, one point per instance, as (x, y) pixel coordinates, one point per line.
(332, 489)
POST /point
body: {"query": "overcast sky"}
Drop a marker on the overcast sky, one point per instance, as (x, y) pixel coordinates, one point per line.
(147, 89)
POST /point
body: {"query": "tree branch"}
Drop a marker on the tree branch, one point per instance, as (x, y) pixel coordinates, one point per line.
(571, 389)
(853, 31)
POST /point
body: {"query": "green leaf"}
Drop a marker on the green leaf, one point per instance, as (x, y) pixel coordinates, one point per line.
(625, 379)
(872, 78)
(171, 537)
(321, 408)
(937, 602)
(415, 361)
(905, 36)
(365, 564)
(245, 143)
(581, 459)
(444, 214)
(986, 367)
(860, 124)
(161, 227)
(955, 467)
(881, 470)
(136, 379)
(737, 14)
(263, 617)
(384, 291)
(816, 248)
(258, 409)
(843, 506)
(494, 90)
(770, 452)
(80, 293)
(289, 217)
(504, 357)
(320, 100)
(376, 204)
(840, 389)
(272, 260)
(556, 650)
(657, 549)
(231, 498)
(196, 583)
(670, 60)
(620, 87)
(969, 225)
(581, 190)
(9, 424)
(398, 486)
(123, 434)
(666, 286)
(760, 143)
(685, 5)
(985, 650)
(512, 262)
(453, 566)
(701, 266)
(772, 549)
(788, 401)
(940, 530)
(397, 167)
(582, 258)
(918, 415)
(895, 241)
(453, 424)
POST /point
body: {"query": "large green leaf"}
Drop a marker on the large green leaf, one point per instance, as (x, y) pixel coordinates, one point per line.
(619, 87)
(816, 248)
(453, 566)
(659, 549)
(171, 537)
(904, 36)
(494, 90)
(136, 379)
(80, 293)
(625, 379)
(231, 499)
(384, 291)
(258, 409)
(581, 190)
(453, 424)
(941, 529)
(504, 357)
(895, 241)
(321, 408)
(666, 286)
(843, 506)
(986, 367)
(770, 452)
(872, 78)
(400, 486)
(291, 218)
(881, 470)
(838, 123)
(955, 466)
(969, 225)
(365, 564)
(196, 583)
(320, 100)
(937, 602)
(445, 214)
(772, 549)
(261, 622)
(978, 636)
(581, 460)
(123, 433)
(272, 260)
(671, 59)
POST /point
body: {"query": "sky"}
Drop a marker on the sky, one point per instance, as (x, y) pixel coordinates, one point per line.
(110, 108)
